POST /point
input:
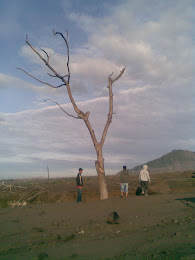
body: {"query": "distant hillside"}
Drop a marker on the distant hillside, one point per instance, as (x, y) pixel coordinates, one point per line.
(177, 160)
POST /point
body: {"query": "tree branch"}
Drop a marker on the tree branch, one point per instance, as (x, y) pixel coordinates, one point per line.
(34, 197)
(68, 52)
(66, 82)
(120, 74)
(61, 108)
(41, 80)
(46, 54)
(46, 62)
(91, 131)
(109, 120)
(54, 76)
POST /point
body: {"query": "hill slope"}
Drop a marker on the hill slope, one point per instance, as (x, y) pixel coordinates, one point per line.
(177, 160)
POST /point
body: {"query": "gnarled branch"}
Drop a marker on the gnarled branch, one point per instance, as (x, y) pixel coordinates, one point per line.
(46, 62)
(68, 52)
(40, 80)
(66, 82)
(46, 54)
(61, 108)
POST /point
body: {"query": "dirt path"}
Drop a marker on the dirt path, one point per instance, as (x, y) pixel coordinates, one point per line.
(157, 226)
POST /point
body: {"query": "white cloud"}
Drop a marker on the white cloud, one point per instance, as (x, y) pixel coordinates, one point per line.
(13, 82)
(153, 100)
(28, 53)
(42, 92)
(154, 50)
(145, 122)
(157, 51)
(89, 74)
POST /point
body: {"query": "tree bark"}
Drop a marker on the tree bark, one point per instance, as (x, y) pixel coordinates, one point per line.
(102, 181)
(99, 164)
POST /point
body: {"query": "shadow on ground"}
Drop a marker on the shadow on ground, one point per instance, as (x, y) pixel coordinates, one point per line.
(187, 199)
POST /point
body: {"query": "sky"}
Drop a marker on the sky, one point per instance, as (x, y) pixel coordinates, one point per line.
(153, 100)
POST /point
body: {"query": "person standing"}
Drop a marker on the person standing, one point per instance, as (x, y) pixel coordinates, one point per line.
(79, 181)
(144, 178)
(124, 181)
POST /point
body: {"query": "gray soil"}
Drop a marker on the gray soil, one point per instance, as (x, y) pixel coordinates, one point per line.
(159, 226)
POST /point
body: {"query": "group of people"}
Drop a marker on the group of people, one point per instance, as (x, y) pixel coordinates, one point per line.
(144, 179)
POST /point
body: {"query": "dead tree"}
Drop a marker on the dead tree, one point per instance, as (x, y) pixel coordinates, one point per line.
(47, 173)
(99, 163)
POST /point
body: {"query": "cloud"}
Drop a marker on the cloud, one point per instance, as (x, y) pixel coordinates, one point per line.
(153, 101)
(19, 94)
(86, 71)
(11, 82)
(146, 125)
(154, 50)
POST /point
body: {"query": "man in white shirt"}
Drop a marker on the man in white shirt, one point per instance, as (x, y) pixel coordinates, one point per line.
(144, 178)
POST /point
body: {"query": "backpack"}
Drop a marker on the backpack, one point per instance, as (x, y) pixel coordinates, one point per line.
(138, 191)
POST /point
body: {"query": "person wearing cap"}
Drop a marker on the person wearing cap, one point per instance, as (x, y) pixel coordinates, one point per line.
(144, 178)
(124, 181)
(79, 182)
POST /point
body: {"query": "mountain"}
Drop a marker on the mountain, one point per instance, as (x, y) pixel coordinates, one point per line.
(177, 160)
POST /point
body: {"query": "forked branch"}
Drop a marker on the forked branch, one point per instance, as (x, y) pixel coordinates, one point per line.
(57, 75)
(117, 77)
(45, 61)
(109, 120)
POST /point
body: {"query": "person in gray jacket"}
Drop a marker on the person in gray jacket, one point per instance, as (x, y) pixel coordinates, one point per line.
(144, 178)
(124, 181)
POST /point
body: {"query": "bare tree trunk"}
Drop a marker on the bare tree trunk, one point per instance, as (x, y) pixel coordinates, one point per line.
(99, 164)
(102, 182)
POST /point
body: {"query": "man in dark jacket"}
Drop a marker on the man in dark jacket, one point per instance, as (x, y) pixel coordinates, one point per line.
(79, 181)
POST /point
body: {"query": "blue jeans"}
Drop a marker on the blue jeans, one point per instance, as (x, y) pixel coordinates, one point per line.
(79, 195)
(124, 187)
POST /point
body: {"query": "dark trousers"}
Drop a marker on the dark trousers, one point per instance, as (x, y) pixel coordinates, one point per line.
(79, 195)
(144, 185)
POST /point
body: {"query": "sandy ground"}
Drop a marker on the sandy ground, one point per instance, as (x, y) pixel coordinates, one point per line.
(152, 227)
